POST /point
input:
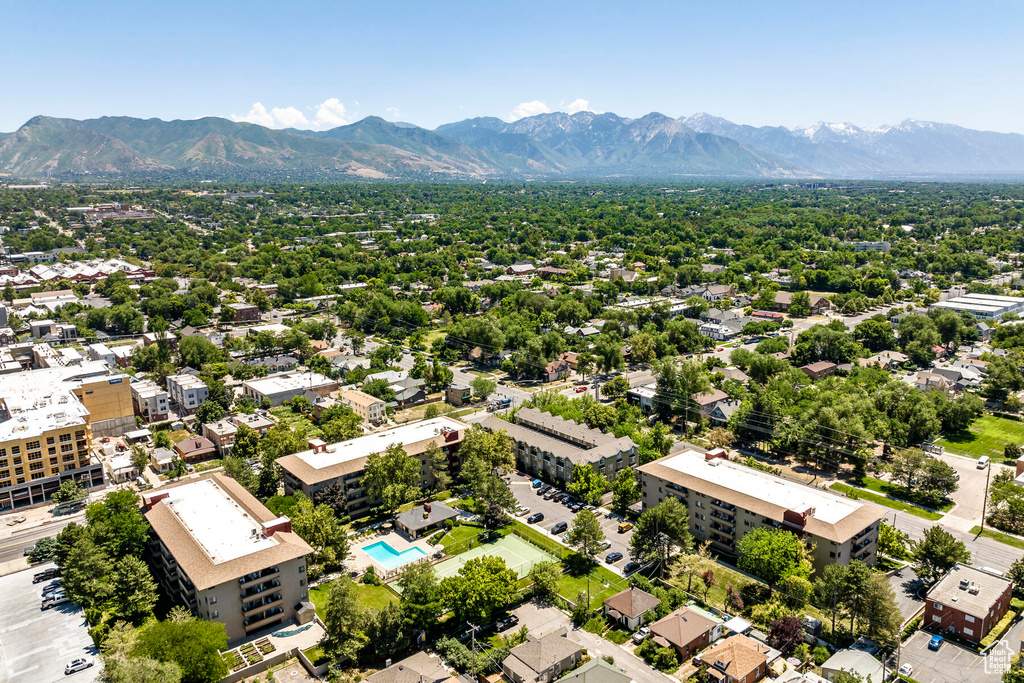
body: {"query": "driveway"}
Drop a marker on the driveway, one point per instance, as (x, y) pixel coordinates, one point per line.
(906, 584)
(35, 645)
(970, 494)
(554, 513)
(949, 663)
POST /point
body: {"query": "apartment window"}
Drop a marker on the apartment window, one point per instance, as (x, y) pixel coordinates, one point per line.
(53, 462)
(832, 555)
(936, 617)
(35, 455)
(968, 632)
(302, 582)
(35, 466)
(938, 607)
(49, 441)
(65, 447)
(214, 614)
(17, 460)
(65, 437)
(15, 450)
(3, 452)
(968, 618)
(4, 474)
(38, 475)
(32, 446)
(3, 463)
(19, 470)
(212, 600)
(302, 569)
(52, 450)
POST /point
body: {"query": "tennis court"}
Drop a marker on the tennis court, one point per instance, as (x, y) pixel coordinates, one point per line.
(519, 555)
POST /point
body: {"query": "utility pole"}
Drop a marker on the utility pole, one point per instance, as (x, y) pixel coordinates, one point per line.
(473, 648)
(984, 501)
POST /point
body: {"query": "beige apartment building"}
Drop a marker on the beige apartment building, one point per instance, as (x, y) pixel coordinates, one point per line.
(342, 463)
(218, 551)
(726, 500)
(369, 408)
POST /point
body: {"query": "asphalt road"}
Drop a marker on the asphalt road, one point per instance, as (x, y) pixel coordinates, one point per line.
(14, 547)
(984, 551)
(556, 512)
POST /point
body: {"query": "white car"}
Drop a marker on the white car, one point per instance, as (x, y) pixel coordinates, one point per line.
(76, 665)
(522, 510)
(642, 633)
(907, 670)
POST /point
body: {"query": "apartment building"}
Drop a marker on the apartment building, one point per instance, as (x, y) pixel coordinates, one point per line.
(245, 313)
(187, 391)
(369, 408)
(218, 551)
(725, 500)
(968, 601)
(342, 463)
(47, 419)
(150, 400)
(550, 446)
(279, 389)
(222, 434)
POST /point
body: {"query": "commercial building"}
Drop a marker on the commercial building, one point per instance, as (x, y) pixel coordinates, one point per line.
(369, 408)
(187, 391)
(985, 306)
(883, 247)
(150, 400)
(550, 446)
(219, 552)
(47, 419)
(279, 389)
(342, 463)
(967, 601)
(726, 500)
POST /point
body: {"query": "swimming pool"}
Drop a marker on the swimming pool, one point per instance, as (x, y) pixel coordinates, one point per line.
(389, 558)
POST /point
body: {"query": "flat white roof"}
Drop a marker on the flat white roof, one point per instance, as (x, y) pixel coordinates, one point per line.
(217, 523)
(828, 508)
(288, 382)
(363, 446)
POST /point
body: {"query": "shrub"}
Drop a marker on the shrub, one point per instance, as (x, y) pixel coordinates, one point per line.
(821, 655)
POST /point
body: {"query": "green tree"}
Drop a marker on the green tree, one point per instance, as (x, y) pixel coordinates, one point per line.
(117, 525)
(317, 526)
(625, 491)
(344, 620)
(677, 386)
(660, 532)
(44, 550)
(800, 305)
(892, 541)
(421, 595)
(937, 552)
(208, 412)
(486, 457)
(162, 439)
(773, 555)
(585, 364)
(438, 460)
(483, 387)
(134, 591)
(392, 477)
(140, 459)
(587, 484)
(68, 491)
(193, 644)
(585, 534)
(545, 576)
(196, 351)
(482, 585)
(386, 632)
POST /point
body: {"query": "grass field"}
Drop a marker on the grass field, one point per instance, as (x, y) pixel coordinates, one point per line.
(987, 436)
(999, 536)
(375, 597)
(517, 553)
(880, 499)
(295, 420)
(885, 488)
(459, 534)
(603, 585)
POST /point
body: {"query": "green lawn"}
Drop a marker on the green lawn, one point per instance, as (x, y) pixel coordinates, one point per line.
(887, 502)
(999, 536)
(368, 596)
(287, 417)
(459, 534)
(987, 436)
(885, 488)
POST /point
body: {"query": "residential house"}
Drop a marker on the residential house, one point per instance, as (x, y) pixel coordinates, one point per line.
(927, 381)
(629, 607)
(195, 449)
(819, 370)
(257, 422)
(737, 659)
(187, 391)
(967, 601)
(723, 410)
(685, 630)
(548, 272)
(369, 408)
(150, 400)
(520, 268)
(556, 369)
(417, 668)
(423, 519)
(858, 662)
(707, 400)
(162, 459)
(541, 660)
(245, 313)
(457, 396)
(597, 670)
(644, 396)
(222, 434)
(733, 373)
(818, 304)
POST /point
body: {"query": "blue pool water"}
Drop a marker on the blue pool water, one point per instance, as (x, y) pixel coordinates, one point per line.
(389, 558)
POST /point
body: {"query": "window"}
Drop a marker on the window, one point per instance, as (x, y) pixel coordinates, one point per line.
(938, 607)
(968, 618)
(65, 438)
(968, 632)
(302, 569)
(49, 441)
(832, 555)
(936, 617)
(214, 614)
(15, 450)
(32, 446)
(212, 600)
(302, 582)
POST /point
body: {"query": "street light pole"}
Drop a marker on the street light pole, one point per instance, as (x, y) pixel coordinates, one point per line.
(984, 500)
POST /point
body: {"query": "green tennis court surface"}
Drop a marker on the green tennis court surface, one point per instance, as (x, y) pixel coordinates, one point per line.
(519, 555)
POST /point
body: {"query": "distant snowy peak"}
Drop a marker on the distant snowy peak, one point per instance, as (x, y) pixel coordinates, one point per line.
(823, 131)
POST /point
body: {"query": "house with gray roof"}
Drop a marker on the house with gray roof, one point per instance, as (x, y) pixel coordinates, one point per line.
(424, 518)
(418, 668)
(597, 670)
(542, 659)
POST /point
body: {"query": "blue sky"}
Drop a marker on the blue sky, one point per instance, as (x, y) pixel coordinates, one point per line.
(321, 64)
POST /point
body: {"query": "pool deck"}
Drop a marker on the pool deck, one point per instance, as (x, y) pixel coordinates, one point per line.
(394, 539)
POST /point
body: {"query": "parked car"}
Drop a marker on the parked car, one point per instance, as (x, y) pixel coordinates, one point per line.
(16, 520)
(522, 510)
(45, 575)
(535, 517)
(625, 526)
(506, 622)
(630, 567)
(641, 634)
(580, 390)
(907, 670)
(559, 528)
(983, 462)
(550, 494)
(537, 483)
(76, 665)
(568, 500)
(936, 642)
(605, 545)
(612, 558)
(55, 600)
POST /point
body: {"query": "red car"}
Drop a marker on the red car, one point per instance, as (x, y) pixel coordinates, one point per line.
(580, 390)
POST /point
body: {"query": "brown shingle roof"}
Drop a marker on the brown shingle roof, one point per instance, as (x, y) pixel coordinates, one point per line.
(737, 656)
(632, 602)
(682, 627)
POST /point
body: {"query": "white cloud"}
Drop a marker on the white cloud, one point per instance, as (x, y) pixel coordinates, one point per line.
(288, 117)
(578, 105)
(393, 111)
(532, 108)
(258, 115)
(331, 112)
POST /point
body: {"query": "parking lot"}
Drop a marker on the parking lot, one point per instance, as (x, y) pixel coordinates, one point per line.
(35, 645)
(556, 512)
(949, 663)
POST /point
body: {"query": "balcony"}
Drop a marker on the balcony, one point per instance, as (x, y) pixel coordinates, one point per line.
(860, 546)
(262, 618)
(261, 602)
(256, 590)
(863, 534)
(722, 540)
(723, 505)
(728, 519)
(256, 576)
(718, 527)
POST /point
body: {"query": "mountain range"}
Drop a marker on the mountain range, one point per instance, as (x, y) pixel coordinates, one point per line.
(584, 145)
